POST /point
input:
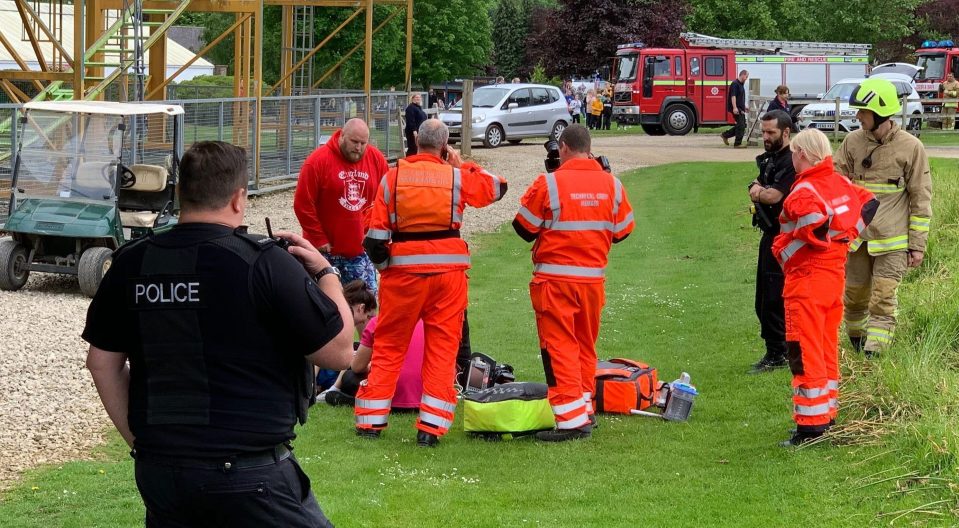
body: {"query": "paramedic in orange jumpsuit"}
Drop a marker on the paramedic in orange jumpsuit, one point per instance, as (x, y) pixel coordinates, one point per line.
(823, 213)
(574, 215)
(414, 239)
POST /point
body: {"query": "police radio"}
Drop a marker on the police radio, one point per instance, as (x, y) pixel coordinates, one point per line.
(282, 243)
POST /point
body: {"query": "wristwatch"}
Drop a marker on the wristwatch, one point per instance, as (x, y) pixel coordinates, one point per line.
(326, 271)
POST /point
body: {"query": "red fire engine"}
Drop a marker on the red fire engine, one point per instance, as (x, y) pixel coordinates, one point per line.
(936, 60)
(677, 90)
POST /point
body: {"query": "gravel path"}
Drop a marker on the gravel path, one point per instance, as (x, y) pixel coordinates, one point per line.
(49, 409)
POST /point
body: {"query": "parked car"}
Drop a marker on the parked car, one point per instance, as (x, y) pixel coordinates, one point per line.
(822, 115)
(511, 112)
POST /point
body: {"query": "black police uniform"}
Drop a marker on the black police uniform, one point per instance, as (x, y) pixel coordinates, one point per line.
(216, 324)
(776, 171)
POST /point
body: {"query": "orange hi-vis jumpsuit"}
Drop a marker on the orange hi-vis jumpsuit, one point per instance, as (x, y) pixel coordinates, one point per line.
(823, 213)
(414, 240)
(575, 215)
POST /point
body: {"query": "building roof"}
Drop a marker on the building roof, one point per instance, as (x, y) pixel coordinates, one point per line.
(177, 55)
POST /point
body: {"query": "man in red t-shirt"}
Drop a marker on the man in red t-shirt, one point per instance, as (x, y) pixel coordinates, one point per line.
(336, 189)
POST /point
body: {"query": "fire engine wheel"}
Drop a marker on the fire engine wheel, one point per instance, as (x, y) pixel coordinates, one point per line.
(93, 265)
(13, 265)
(678, 120)
(493, 137)
(654, 130)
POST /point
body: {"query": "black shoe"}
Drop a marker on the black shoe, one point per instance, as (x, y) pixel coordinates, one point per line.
(768, 364)
(858, 342)
(335, 398)
(424, 439)
(725, 139)
(372, 434)
(593, 422)
(562, 435)
(832, 422)
(799, 439)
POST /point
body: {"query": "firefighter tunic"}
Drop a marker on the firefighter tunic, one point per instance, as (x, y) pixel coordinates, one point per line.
(896, 170)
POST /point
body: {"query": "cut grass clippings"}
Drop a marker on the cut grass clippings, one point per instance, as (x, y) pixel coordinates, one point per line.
(680, 297)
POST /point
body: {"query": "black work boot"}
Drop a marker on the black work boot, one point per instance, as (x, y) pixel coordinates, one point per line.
(562, 435)
(335, 398)
(371, 434)
(775, 358)
(858, 342)
(800, 438)
(424, 439)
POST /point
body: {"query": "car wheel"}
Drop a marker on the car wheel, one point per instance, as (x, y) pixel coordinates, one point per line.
(678, 120)
(558, 129)
(493, 137)
(915, 123)
(515, 141)
(653, 130)
(13, 265)
(94, 264)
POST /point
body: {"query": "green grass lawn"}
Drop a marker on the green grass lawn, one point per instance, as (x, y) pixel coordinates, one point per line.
(679, 296)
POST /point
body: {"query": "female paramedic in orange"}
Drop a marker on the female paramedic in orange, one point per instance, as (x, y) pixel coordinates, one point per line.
(823, 213)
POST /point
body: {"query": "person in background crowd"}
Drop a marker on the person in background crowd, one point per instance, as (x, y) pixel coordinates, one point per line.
(607, 114)
(575, 109)
(736, 105)
(949, 91)
(414, 118)
(823, 213)
(596, 111)
(781, 101)
(219, 364)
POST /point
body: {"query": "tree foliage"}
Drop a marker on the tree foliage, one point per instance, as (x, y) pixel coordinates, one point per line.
(451, 38)
(581, 35)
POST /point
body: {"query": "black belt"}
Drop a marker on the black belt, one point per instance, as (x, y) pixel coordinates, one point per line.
(406, 236)
(253, 459)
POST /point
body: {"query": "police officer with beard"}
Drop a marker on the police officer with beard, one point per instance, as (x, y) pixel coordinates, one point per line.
(767, 192)
(221, 329)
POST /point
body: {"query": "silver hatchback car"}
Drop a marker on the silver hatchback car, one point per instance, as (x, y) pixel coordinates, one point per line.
(511, 112)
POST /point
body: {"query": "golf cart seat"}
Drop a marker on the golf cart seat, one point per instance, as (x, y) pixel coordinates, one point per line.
(147, 198)
(93, 180)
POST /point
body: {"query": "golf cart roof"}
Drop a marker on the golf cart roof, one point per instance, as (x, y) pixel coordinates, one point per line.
(104, 107)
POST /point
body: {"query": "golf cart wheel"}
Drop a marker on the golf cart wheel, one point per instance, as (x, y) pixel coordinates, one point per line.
(493, 137)
(94, 264)
(654, 130)
(13, 265)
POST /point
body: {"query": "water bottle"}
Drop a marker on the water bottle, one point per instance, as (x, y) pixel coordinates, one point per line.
(680, 402)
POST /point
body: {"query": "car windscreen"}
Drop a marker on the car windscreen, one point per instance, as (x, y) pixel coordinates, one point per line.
(933, 67)
(68, 155)
(842, 90)
(626, 70)
(485, 98)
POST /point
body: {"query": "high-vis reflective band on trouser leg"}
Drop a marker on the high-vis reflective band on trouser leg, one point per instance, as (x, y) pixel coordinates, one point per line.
(858, 291)
(567, 320)
(442, 329)
(887, 272)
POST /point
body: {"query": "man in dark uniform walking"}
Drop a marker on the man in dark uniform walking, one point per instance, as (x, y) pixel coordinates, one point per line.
(767, 192)
(736, 105)
(221, 329)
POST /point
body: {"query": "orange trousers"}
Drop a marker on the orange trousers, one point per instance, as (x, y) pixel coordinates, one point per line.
(813, 300)
(440, 300)
(567, 320)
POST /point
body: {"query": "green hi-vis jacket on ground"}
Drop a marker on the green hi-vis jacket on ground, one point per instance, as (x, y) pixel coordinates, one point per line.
(899, 177)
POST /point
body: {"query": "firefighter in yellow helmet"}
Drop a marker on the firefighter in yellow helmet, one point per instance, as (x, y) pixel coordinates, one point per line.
(892, 164)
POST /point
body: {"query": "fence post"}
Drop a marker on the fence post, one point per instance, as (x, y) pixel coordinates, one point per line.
(835, 126)
(466, 124)
(289, 135)
(219, 120)
(317, 120)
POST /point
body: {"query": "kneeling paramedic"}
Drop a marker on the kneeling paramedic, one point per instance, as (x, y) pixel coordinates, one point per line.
(892, 164)
(221, 329)
(823, 213)
(573, 216)
(414, 239)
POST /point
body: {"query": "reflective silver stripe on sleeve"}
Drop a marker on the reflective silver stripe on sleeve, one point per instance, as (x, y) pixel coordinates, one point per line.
(567, 407)
(497, 187)
(372, 419)
(582, 225)
(433, 419)
(373, 404)
(624, 224)
(386, 190)
(553, 197)
(379, 234)
(530, 217)
(810, 393)
(832, 384)
(393, 218)
(579, 421)
(619, 195)
(457, 193)
(409, 260)
(791, 250)
(787, 227)
(811, 410)
(809, 219)
(860, 226)
(438, 403)
(574, 271)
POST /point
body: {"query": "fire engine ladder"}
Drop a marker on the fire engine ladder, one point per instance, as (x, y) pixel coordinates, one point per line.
(776, 46)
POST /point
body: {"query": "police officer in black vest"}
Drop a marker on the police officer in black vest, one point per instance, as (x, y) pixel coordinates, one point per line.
(220, 328)
(767, 192)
